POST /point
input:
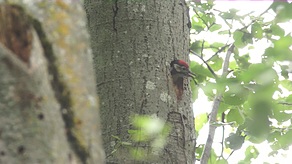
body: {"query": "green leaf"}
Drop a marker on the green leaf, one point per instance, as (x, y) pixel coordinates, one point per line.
(283, 42)
(223, 107)
(226, 15)
(260, 73)
(285, 140)
(256, 30)
(197, 28)
(224, 32)
(251, 47)
(287, 84)
(213, 157)
(233, 11)
(216, 63)
(210, 2)
(284, 71)
(283, 11)
(275, 53)
(231, 14)
(242, 61)
(196, 46)
(206, 6)
(197, 24)
(281, 115)
(251, 152)
(237, 36)
(218, 44)
(211, 19)
(258, 126)
(247, 38)
(236, 94)
(276, 146)
(273, 153)
(233, 65)
(289, 99)
(277, 5)
(277, 30)
(234, 141)
(199, 151)
(274, 136)
(201, 72)
(208, 89)
(221, 161)
(235, 115)
(200, 121)
(215, 27)
(281, 50)
(232, 98)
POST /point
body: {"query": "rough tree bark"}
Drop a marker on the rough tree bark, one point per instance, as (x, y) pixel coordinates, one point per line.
(133, 44)
(48, 104)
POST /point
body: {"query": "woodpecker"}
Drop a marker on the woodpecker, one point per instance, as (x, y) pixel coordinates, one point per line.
(179, 70)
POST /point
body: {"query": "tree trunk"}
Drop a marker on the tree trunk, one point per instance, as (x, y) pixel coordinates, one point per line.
(48, 103)
(133, 44)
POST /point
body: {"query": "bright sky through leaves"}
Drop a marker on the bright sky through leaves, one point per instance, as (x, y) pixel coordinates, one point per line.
(202, 105)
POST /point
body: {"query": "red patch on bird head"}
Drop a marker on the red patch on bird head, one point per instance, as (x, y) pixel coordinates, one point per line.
(181, 62)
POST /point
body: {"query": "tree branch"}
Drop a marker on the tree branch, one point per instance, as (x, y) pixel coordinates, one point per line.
(213, 114)
(220, 50)
(208, 66)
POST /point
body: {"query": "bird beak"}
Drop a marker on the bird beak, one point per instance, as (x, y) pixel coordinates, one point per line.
(191, 74)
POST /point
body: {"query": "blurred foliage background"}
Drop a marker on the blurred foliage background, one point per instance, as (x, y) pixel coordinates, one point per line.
(257, 103)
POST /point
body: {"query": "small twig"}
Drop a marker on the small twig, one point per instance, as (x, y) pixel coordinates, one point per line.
(194, 81)
(208, 66)
(213, 114)
(230, 155)
(246, 26)
(201, 19)
(220, 50)
(285, 103)
(223, 131)
(202, 49)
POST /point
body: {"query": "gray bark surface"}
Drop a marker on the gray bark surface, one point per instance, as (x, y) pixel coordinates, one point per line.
(133, 44)
(48, 102)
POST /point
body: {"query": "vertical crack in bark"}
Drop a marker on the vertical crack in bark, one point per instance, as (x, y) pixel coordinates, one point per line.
(170, 30)
(186, 9)
(172, 40)
(115, 11)
(62, 95)
(144, 96)
(183, 16)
